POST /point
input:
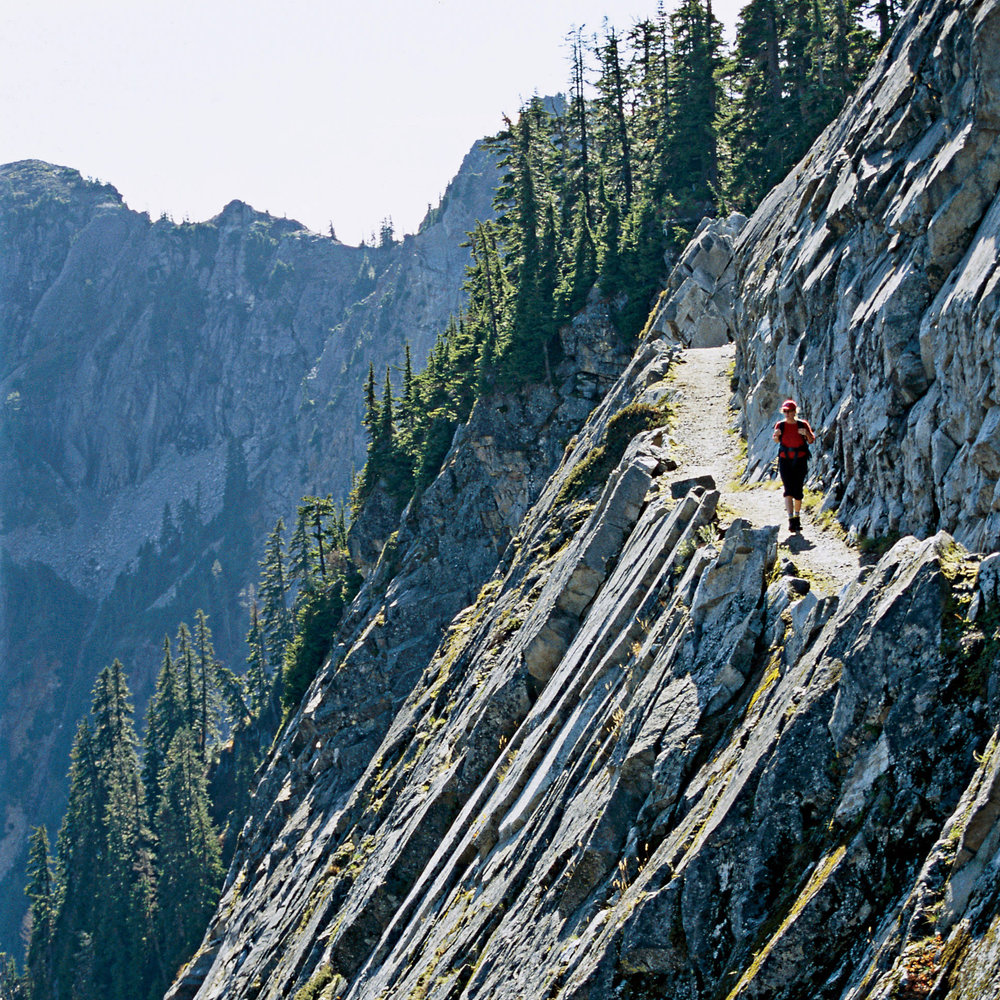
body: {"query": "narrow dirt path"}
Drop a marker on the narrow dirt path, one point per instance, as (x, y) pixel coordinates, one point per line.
(706, 444)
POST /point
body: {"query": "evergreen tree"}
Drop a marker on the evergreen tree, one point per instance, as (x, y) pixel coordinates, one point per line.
(189, 859)
(692, 145)
(275, 620)
(608, 241)
(301, 553)
(258, 675)
(617, 141)
(41, 890)
(103, 928)
(187, 675)
(316, 512)
(12, 986)
(579, 118)
(525, 347)
(210, 704)
(385, 425)
(79, 850)
(583, 269)
(409, 400)
(164, 716)
(371, 417)
(643, 243)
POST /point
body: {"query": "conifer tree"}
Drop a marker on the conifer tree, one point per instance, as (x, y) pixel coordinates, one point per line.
(693, 144)
(579, 115)
(78, 847)
(319, 509)
(385, 424)
(105, 917)
(187, 675)
(612, 90)
(164, 717)
(275, 619)
(642, 262)
(583, 269)
(301, 553)
(409, 400)
(608, 240)
(12, 986)
(258, 676)
(209, 698)
(525, 347)
(371, 417)
(41, 890)
(189, 858)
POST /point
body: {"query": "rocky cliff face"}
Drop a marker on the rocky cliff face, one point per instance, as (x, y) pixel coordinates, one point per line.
(169, 391)
(868, 287)
(645, 758)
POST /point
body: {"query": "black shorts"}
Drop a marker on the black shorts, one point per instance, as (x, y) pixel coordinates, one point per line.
(793, 475)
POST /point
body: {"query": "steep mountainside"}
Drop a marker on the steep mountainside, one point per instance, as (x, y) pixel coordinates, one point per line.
(646, 758)
(169, 390)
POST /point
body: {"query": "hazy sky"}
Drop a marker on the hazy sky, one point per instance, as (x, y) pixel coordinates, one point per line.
(321, 110)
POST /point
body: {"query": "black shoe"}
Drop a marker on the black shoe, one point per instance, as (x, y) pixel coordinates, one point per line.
(794, 523)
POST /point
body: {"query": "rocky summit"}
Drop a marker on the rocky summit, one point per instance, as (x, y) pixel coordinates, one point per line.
(587, 732)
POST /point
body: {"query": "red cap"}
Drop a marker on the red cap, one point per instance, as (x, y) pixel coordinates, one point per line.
(788, 404)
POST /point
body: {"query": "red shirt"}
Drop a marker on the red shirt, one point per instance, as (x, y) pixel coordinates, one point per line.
(793, 442)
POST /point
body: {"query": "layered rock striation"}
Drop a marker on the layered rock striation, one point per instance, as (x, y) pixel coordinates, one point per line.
(593, 737)
(645, 760)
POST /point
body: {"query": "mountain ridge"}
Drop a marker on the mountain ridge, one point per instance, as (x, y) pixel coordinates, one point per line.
(170, 390)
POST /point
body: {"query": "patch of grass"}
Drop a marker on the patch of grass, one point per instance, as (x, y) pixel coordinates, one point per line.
(742, 457)
(708, 534)
(826, 520)
(623, 426)
(877, 545)
(323, 976)
(974, 646)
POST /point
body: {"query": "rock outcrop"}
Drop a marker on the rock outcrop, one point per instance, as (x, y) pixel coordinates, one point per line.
(697, 307)
(445, 549)
(641, 762)
(867, 288)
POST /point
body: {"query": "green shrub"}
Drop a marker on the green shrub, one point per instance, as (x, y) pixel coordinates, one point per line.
(323, 976)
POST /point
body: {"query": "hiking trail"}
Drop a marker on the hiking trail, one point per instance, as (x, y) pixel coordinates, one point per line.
(705, 443)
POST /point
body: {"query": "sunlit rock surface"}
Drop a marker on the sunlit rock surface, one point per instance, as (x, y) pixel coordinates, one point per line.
(868, 287)
(638, 758)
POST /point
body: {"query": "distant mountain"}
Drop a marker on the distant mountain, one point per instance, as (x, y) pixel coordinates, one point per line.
(169, 390)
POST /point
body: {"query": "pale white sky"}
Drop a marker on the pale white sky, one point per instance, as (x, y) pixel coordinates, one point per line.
(321, 110)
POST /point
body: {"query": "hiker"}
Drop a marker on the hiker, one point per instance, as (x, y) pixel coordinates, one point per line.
(794, 436)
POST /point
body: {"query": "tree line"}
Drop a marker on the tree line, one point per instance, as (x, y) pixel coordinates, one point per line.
(661, 126)
(138, 863)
